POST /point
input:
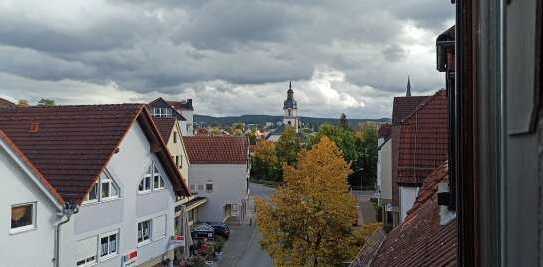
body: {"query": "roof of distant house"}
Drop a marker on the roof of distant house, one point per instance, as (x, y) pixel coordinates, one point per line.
(424, 138)
(71, 145)
(6, 103)
(385, 130)
(217, 149)
(420, 240)
(165, 127)
(182, 105)
(161, 103)
(403, 106)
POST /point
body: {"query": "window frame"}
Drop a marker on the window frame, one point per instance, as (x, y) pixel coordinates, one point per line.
(32, 226)
(206, 187)
(150, 236)
(110, 254)
(152, 173)
(86, 262)
(98, 185)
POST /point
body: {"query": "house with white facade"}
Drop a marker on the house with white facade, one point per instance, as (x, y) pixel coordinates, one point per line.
(183, 110)
(384, 174)
(87, 186)
(219, 170)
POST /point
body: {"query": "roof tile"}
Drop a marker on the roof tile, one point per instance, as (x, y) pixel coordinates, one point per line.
(217, 149)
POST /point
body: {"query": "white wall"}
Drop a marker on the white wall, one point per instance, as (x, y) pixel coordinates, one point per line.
(30, 248)
(384, 169)
(127, 168)
(229, 186)
(178, 149)
(187, 126)
(408, 195)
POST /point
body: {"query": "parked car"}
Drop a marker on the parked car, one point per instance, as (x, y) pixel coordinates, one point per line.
(220, 228)
(201, 231)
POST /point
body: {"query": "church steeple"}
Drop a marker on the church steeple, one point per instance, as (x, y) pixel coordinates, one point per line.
(408, 93)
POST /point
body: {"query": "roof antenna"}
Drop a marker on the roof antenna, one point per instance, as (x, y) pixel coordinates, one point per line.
(408, 93)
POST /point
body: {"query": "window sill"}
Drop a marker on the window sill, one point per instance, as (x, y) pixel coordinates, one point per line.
(88, 264)
(108, 257)
(105, 200)
(144, 243)
(145, 192)
(22, 229)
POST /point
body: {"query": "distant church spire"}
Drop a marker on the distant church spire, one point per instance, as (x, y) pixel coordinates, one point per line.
(408, 93)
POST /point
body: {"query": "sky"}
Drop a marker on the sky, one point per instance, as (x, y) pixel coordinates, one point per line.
(232, 57)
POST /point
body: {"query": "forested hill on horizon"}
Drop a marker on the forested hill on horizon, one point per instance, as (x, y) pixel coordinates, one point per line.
(262, 119)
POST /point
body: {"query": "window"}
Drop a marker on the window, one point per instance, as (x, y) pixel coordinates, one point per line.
(109, 245)
(192, 187)
(86, 252)
(23, 217)
(162, 112)
(104, 189)
(144, 232)
(152, 180)
(209, 187)
(177, 161)
(200, 187)
(159, 227)
(175, 137)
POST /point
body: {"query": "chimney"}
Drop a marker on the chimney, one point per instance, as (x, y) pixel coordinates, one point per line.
(34, 127)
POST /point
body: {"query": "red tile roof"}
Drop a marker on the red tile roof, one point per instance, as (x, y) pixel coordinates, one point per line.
(217, 149)
(165, 127)
(182, 105)
(70, 145)
(420, 240)
(403, 106)
(424, 139)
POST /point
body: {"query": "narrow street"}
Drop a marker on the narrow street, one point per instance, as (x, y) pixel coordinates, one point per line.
(243, 248)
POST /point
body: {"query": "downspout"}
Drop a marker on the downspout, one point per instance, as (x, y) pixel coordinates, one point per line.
(68, 210)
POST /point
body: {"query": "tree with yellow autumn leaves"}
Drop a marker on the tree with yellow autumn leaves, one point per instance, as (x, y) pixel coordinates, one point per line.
(309, 220)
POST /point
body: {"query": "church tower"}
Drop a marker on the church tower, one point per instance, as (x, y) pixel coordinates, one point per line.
(290, 109)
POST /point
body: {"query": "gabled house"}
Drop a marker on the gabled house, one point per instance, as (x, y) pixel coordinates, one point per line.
(423, 239)
(219, 170)
(384, 173)
(182, 110)
(108, 187)
(6, 103)
(402, 107)
(423, 146)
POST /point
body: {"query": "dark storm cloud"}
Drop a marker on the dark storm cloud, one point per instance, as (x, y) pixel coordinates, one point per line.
(219, 50)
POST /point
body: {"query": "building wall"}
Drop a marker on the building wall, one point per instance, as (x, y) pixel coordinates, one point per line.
(384, 170)
(178, 149)
(30, 248)
(229, 186)
(395, 142)
(127, 168)
(187, 126)
(408, 195)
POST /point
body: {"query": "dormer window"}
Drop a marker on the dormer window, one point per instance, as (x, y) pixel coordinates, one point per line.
(162, 112)
(102, 190)
(152, 180)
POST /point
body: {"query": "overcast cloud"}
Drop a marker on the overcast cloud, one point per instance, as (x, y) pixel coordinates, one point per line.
(231, 56)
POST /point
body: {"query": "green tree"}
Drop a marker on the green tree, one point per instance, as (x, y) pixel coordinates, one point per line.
(265, 164)
(309, 220)
(45, 102)
(288, 147)
(367, 148)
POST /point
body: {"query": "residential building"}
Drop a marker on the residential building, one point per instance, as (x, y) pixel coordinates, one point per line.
(423, 147)
(402, 107)
(185, 108)
(384, 174)
(423, 238)
(103, 172)
(219, 170)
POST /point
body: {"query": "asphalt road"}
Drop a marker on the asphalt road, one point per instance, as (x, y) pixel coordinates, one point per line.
(243, 248)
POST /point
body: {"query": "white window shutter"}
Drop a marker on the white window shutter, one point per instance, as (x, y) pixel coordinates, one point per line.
(159, 227)
(86, 248)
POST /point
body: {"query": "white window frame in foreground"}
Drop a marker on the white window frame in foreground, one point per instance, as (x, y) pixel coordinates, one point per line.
(87, 251)
(27, 227)
(152, 180)
(112, 251)
(142, 240)
(104, 189)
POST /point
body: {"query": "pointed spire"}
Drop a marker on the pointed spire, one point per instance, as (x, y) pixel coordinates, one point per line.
(289, 84)
(408, 93)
